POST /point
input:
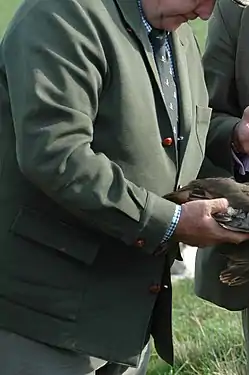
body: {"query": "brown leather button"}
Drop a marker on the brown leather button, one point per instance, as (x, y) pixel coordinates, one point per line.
(140, 243)
(167, 141)
(155, 289)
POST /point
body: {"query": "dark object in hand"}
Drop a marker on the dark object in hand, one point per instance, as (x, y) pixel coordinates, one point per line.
(236, 219)
(241, 3)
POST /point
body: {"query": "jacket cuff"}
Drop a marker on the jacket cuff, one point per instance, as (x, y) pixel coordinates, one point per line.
(156, 218)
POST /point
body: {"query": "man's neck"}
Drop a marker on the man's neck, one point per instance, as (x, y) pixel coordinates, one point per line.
(146, 23)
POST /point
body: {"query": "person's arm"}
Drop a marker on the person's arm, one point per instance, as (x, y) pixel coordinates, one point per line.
(56, 67)
(219, 69)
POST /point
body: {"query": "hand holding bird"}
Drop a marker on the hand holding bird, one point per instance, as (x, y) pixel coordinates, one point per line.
(235, 219)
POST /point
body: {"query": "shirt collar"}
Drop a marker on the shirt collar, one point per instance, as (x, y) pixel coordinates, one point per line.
(144, 20)
(147, 25)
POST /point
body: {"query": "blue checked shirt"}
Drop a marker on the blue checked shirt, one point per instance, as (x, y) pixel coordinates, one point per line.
(170, 230)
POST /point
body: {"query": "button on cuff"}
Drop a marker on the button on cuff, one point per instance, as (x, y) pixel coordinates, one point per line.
(140, 243)
(156, 217)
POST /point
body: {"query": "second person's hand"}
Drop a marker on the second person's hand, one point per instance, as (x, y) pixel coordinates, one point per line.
(197, 227)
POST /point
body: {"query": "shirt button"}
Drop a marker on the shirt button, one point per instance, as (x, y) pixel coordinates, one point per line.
(167, 141)
(140, 243)
(155, 289)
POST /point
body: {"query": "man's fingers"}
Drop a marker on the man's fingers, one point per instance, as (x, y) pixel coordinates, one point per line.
(242, 237)
(218, 205)
(238, 237)
(246, 114)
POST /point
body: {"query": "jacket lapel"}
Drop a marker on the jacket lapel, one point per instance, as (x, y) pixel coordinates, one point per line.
(132, 18)
(130, 13)
(184, 91)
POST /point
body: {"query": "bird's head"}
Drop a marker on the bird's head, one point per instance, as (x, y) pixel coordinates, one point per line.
(206, 188)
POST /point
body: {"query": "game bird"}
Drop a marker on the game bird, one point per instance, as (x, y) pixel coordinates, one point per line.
(236, 219)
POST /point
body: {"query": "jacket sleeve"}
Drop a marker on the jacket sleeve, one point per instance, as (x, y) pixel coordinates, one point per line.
(219, 68)
(56, 67)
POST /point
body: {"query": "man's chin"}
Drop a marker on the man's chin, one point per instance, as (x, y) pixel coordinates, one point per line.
(174, 26)
(173, 23)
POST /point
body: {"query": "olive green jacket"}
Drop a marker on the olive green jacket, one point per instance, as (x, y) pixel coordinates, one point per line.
(82, 172)
(226, 61)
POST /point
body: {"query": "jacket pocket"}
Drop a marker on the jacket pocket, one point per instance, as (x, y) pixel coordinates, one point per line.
(56, 302)
(203, 116)
(44, 230)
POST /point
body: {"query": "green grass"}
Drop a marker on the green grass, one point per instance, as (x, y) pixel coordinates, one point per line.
(7, 8)
(200, 30)
(208, 340)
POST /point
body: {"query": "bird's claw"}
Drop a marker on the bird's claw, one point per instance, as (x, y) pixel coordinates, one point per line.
(228, 278)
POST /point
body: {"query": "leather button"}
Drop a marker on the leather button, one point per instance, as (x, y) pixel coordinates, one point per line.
(167, 141)
(140, 243)
(155, 289)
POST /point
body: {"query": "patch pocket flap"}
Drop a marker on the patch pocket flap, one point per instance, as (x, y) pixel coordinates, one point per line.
(40, 228)
(203, 114)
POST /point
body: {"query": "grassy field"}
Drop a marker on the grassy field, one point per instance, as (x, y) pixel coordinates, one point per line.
(200, 30)
(7, 8)
(208, 340)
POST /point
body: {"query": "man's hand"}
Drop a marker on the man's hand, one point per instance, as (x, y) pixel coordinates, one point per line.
(241, 134)
(197, 227)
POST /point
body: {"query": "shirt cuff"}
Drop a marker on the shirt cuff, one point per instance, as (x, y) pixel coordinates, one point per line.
(242, 162)
(169, 232)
